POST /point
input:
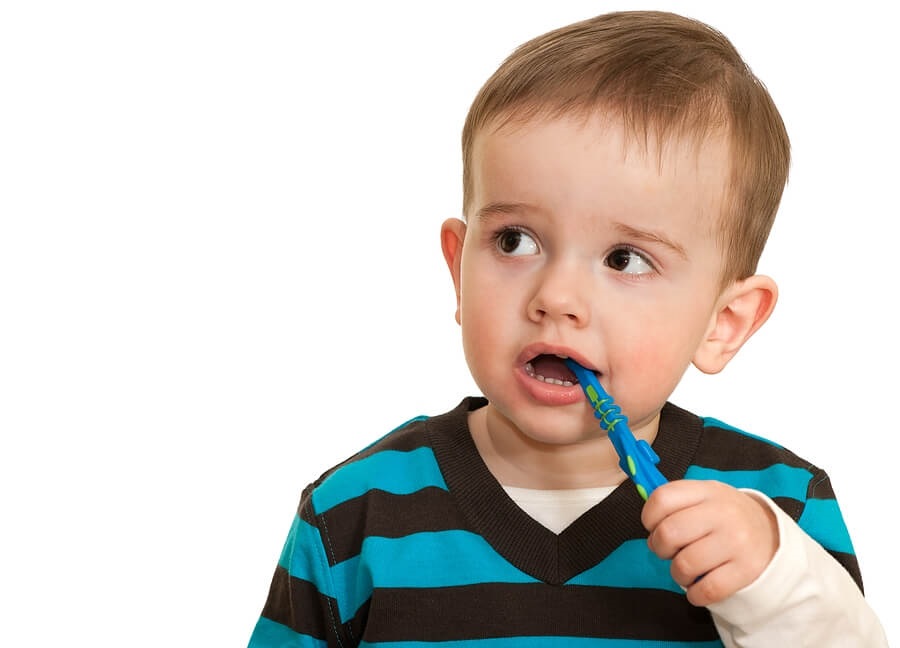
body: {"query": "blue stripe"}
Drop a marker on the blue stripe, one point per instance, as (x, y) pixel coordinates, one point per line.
(303, 556)
(778, 480)
(421, 560)
(632, 564)
(823, 521)
(544, 642)
(709, 421)
(392, 471)
(269, 634)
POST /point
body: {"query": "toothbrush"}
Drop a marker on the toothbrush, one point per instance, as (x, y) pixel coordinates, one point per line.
(636, 457)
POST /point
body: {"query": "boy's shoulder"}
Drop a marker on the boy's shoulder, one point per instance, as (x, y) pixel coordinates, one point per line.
(717, 444)
(400, 462)
(727, 447)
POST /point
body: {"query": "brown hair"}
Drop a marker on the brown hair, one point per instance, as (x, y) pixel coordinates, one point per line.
(664, 75)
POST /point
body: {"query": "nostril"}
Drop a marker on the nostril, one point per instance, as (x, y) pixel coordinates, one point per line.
(558, 305)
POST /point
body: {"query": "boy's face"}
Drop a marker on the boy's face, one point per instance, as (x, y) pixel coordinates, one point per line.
(581, 243)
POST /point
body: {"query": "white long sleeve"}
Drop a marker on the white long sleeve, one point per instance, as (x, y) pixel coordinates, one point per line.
(803, 598)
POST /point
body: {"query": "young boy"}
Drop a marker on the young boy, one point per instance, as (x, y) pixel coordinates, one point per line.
(620, 179)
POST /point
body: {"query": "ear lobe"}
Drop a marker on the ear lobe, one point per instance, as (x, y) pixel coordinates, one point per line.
(453, 233)
(742, 309)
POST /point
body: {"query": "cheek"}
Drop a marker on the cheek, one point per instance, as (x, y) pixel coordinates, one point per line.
(483, 307)
(645, 376)
(652, 356)
(489, 293)
(656, 352)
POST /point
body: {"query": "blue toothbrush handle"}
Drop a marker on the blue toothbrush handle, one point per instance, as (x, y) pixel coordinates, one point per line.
(636, 457)
(639, 461)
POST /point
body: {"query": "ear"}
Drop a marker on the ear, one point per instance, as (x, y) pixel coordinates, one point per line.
(741, 310)
(453, 233)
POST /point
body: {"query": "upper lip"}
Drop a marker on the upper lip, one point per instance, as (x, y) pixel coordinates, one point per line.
(531, 351)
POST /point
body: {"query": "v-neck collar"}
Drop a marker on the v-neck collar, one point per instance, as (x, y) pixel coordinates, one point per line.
(524, 541)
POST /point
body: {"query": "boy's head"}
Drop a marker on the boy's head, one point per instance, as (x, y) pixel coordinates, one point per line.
(665, 77)
(621, 176)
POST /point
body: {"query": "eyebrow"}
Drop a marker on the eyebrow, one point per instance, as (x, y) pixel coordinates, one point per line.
(650, 237)
(501, 208)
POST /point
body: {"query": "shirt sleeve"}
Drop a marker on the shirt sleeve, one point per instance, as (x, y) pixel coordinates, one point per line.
(301, 610)
(803, 598)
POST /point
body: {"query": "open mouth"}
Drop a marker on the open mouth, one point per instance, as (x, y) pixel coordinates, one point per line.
(550, 369)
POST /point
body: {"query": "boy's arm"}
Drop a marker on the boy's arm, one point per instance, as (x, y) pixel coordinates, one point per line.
(803, 598)
(301, 609)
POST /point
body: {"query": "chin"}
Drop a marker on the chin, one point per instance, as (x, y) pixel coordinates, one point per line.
(550, 425)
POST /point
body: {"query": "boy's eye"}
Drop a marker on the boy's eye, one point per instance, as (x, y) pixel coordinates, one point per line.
(628, 261)
(513, 242)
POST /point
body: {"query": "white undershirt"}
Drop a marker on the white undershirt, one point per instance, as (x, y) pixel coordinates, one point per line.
(557, 509)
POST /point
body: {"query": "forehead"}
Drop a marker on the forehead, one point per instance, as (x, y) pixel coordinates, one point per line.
(575, 162)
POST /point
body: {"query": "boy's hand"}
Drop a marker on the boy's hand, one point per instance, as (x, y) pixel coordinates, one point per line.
(713, 530)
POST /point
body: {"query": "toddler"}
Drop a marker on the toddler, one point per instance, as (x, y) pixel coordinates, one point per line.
(621, 176)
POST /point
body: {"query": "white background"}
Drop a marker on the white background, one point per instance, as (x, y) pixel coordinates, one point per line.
(220, 274)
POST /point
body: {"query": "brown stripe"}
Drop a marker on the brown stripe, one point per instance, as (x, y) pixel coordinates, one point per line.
(287, 594)
(723, 449)
(377, 513)
(820, 486)
(851, 564)
(516, 610)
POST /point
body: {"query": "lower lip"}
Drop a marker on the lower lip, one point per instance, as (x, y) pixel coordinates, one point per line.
(548, 393)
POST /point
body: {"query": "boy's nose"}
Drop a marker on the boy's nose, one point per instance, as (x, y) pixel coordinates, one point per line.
(561, 293)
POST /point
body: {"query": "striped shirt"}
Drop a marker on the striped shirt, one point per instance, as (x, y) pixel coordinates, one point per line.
(412, 543)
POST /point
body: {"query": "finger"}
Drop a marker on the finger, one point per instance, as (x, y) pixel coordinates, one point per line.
(698, 559)
(680, 529)
(671, 497)
(716, 585)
